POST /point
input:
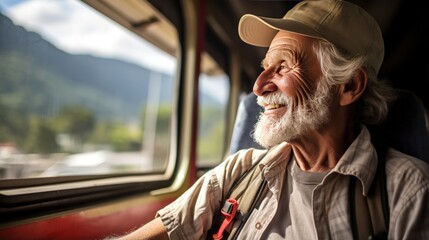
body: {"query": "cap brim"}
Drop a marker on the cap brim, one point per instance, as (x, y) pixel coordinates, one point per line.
(260, 31)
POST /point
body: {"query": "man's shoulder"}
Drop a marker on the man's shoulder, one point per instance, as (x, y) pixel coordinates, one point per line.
(407, 189)
(401, 164)
(246, 156)
(254, 155)
(406, 176)
(244, 159)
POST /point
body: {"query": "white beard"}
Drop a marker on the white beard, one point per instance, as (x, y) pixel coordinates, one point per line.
(270, 131)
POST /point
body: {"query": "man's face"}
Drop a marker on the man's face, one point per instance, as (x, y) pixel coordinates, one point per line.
(291, 89)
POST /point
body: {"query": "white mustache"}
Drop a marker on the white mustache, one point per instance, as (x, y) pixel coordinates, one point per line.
(274, 99)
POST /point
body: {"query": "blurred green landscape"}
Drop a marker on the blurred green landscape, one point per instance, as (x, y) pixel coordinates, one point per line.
(52, 101)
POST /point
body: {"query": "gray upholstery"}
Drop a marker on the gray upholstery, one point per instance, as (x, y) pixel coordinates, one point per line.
(247, 116)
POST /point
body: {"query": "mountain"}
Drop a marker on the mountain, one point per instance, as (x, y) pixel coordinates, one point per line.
(38, 78)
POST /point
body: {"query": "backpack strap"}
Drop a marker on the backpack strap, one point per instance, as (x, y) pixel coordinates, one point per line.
(374, 208)
(368, 213)
(249, 202)
(246, 191)
(378, 208)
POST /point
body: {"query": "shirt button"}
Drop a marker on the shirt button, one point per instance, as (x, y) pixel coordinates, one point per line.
(258, 225)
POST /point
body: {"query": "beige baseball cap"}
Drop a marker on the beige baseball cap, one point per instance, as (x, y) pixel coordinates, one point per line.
(349, 27)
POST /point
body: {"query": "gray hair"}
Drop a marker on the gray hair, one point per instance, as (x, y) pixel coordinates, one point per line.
(338, 69)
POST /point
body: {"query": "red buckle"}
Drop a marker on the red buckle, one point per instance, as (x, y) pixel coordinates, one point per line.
(228, 211)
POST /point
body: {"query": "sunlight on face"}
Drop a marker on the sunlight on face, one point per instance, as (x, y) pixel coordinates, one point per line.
(270, 131)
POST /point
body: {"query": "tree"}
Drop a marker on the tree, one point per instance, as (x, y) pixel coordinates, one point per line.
(41, 137)
(77, 121)
(119, 137)
(13, 125)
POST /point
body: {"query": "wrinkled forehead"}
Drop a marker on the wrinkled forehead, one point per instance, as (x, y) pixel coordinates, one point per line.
(292, 41)
(289, 45)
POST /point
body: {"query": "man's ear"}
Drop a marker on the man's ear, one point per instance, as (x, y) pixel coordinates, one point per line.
(351, 91)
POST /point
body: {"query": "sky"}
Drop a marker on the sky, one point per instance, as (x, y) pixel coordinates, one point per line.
(76, 28)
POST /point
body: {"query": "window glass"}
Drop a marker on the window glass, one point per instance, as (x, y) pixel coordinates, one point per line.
(213, 100)
(79, 94)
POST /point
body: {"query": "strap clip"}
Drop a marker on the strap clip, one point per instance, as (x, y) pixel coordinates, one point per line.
(229, 210)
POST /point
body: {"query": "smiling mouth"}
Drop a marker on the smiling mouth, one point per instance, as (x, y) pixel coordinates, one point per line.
(273, 106)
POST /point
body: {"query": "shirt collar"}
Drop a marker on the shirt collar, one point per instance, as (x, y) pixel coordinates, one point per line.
(359, 160)
(276, 159)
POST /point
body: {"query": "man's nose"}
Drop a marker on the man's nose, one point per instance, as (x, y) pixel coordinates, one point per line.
(263, 84)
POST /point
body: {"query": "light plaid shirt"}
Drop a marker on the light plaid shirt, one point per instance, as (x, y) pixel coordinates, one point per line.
(190, 216)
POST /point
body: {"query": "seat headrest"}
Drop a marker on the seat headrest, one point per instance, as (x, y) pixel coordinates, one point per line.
(405, 127)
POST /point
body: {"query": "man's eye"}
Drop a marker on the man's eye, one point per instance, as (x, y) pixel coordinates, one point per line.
(284, 68)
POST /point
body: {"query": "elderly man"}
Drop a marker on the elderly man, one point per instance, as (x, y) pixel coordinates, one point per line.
(319, 89)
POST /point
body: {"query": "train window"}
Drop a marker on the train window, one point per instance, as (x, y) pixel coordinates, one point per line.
(80, 94)
(213, 107)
